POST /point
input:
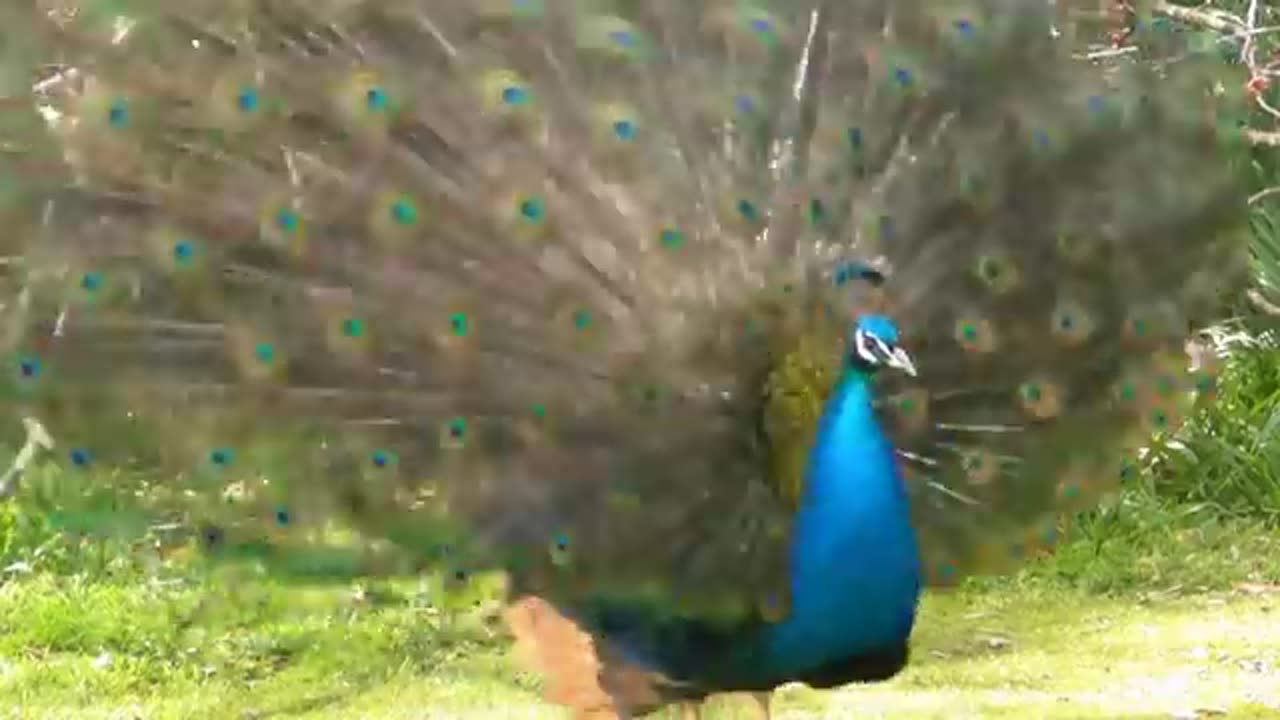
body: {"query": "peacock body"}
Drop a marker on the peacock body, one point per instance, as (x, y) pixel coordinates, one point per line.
(721, 329)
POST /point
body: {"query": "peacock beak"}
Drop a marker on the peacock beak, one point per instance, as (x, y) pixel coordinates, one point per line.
(898, 358)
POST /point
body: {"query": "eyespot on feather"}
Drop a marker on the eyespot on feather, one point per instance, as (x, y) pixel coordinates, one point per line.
(980, 468)
(997, 271)
(1071, 323)
(255, 355)
(909, 409)
(611, 37)
(976, 334)
(1041, 399)
(1078, 249)
(751, 31)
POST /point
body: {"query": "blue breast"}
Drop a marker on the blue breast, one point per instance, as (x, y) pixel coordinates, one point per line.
(855, 568)
(855, 574)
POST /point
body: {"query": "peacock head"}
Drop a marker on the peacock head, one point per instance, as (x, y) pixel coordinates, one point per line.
(875, 346)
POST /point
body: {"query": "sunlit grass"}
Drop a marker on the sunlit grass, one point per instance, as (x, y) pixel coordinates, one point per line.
(1024, 650)
(1151, 611)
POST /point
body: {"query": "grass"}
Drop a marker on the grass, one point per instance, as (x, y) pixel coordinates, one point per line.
(1151, 611)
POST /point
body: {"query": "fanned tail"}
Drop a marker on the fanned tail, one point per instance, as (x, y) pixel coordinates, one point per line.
(559, 288)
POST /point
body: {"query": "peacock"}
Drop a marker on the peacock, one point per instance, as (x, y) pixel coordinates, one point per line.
(718, 330)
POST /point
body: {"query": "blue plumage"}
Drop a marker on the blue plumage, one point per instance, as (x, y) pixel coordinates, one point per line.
(717, 330)
(855, 571)
(855, 567)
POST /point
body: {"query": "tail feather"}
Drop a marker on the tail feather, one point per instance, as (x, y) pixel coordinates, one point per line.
(554, 287)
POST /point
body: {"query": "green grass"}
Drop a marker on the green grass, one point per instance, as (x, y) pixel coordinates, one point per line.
(1141, 615)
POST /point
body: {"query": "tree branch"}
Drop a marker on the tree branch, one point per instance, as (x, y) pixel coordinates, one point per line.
(1200, 18)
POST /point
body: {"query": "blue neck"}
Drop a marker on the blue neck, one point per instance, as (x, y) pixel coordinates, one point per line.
(855, 573)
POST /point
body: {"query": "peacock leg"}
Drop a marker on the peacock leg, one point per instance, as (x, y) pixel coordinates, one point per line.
(690, 711)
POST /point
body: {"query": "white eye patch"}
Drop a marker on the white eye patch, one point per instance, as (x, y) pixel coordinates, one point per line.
(877, 352)
(871, 348)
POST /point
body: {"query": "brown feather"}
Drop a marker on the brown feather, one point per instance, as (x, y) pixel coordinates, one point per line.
(578, 672)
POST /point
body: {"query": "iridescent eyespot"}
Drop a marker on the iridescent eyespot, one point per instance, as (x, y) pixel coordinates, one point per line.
(91, 282)
(747, 210)
(559, 550)
(118, 114)
(903, 77)
(610, 36)
(375, 98)
(624, 130)
(505, 93)
(515, 95)
(366, 102)
(1071, 323)
(264, 352)
(457, 428)
(1127, 391)
(532, 209)
(352, 327)
(623, 38)
(403, 212)
(282, 516)
(287, 221)
(453, 434)
(79, 457)
(29, 367)
(183, 252)
(760, 27)
(1077, 249)
(247, 100)
(458, 324)
(911, 409)
(997, 272)
(1042, 400)
(1151, 323)
(817, 212)
(221, 457)
(976, 335)
(671, 239)
(980, 468)
(381, 458)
